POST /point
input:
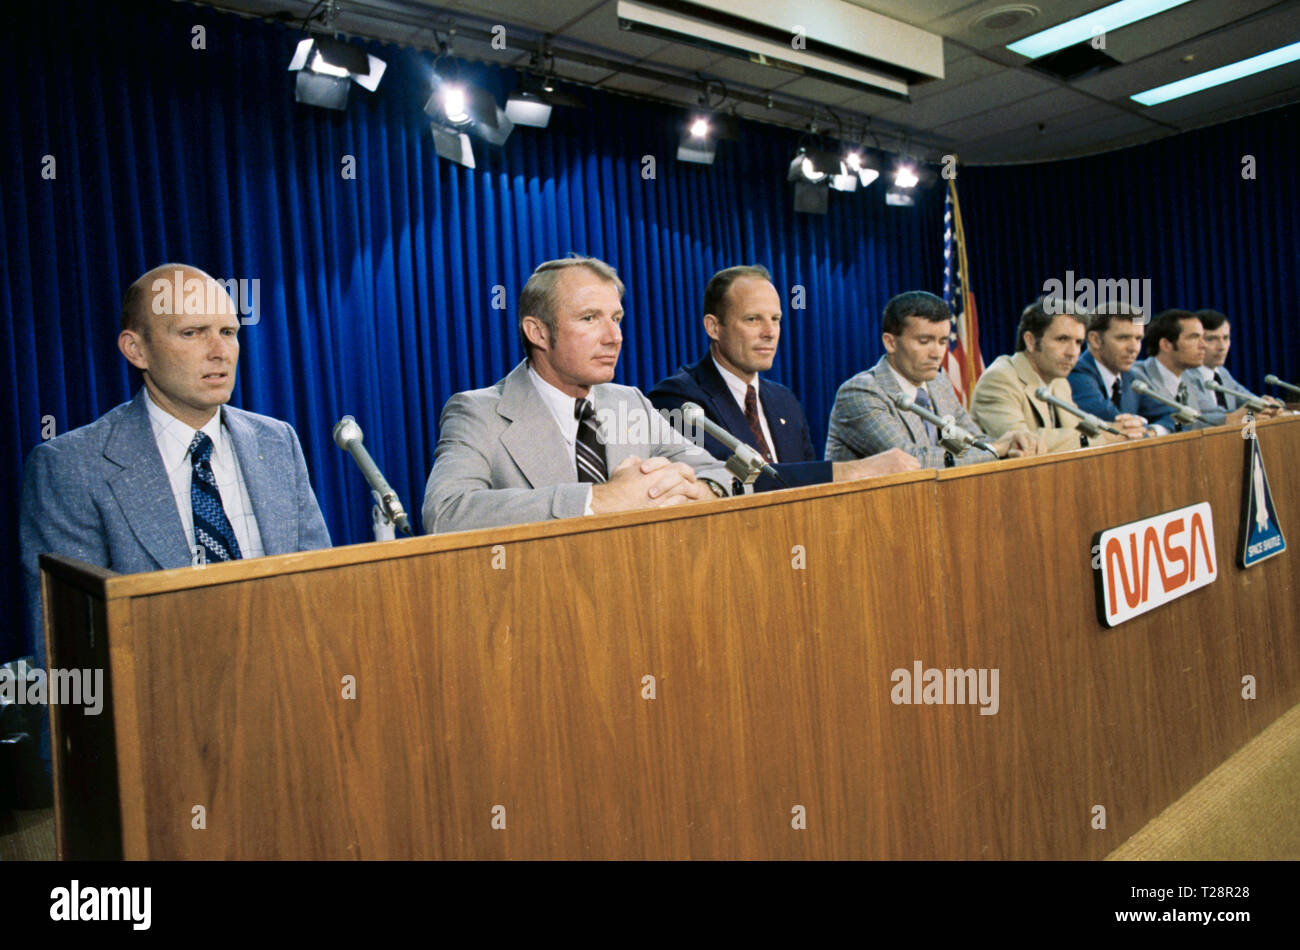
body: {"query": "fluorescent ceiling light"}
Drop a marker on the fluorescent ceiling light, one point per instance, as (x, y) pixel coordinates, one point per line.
(1217, 77)
(1083, 28)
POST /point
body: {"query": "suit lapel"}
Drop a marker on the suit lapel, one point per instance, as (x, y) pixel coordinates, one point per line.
(786, 440)
(533, 439)
(1029, 376)
(724, 406)
(142, 489)
(259, 463)
(911, 421)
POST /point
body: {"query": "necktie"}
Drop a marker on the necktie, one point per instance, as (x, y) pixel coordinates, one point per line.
(923, 400)
(1182, 392)
(1115, 392)
(756, 427)
(1219, 397)
(589, 449)
(212, 530)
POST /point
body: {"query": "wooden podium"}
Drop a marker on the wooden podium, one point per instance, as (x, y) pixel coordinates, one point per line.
(705, 682)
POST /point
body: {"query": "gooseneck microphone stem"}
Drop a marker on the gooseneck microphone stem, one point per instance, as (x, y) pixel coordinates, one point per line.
(348, 436)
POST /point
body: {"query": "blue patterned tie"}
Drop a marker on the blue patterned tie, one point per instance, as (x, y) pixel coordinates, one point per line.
(212, 530)
(923, 400)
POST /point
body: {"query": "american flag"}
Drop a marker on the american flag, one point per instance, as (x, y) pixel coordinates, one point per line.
(964, 363)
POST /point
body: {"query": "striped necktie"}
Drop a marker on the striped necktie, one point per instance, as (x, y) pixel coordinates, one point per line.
(212, 530)
(588, 448)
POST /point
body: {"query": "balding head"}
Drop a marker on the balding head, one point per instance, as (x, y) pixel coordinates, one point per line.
(171, 289)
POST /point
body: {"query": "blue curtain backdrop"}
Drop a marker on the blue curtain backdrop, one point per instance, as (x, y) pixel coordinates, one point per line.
(1177, 212)
(376, 292)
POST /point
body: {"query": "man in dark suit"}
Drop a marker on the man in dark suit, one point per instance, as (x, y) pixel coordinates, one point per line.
(1102, 381)
(742, 317)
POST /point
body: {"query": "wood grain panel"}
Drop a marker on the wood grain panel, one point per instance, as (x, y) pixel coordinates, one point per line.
(771, 626)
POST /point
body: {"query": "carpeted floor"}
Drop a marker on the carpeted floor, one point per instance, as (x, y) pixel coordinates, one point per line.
(1246, 809)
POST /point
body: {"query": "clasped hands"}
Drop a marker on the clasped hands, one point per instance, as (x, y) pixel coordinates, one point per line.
(655, 482)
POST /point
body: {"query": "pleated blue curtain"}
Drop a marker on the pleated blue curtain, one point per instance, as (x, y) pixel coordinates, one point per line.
(1178, 212)
(376, 292)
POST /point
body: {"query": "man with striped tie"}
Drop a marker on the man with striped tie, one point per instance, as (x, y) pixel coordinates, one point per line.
(175, 477)
(556, 438)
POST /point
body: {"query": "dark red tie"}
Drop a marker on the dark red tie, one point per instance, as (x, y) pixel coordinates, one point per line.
(756, 427)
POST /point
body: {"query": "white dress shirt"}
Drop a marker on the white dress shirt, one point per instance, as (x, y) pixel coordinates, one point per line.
(1171, 379)
(1107, 378)
(174, 438)
(562, 406)
(738, 389)
(909, 388)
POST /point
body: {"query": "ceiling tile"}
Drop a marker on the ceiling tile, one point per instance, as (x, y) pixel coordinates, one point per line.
(1041, 108)
(546, 17)
(600, 29)
(951, 104)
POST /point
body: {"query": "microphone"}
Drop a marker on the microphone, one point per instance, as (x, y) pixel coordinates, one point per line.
(745, 464)
(1184, 413)
(1090, 424)
(949, 431)
(348, 436)
(1274, 381)
(1246, 399)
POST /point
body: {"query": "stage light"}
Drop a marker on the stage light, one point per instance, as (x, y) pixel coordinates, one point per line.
(697, 142)
(864, 165)
(810, 198)
(526, 108)
(905, 176)
(326, 69)
(845, 180)
(1083, 28)
(813, 165)
(464, 105)
(453, 145)
(453, 104)
(899, 198)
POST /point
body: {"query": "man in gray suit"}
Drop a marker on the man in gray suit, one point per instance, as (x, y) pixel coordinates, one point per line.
(864, 419)
(1175, 345)
(175, 477)
(1218, 341)
(556, 438)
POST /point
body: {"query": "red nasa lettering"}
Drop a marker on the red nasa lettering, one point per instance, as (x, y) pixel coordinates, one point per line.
(1150, 562)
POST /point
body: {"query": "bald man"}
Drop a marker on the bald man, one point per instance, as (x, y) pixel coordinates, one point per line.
(175, 477)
